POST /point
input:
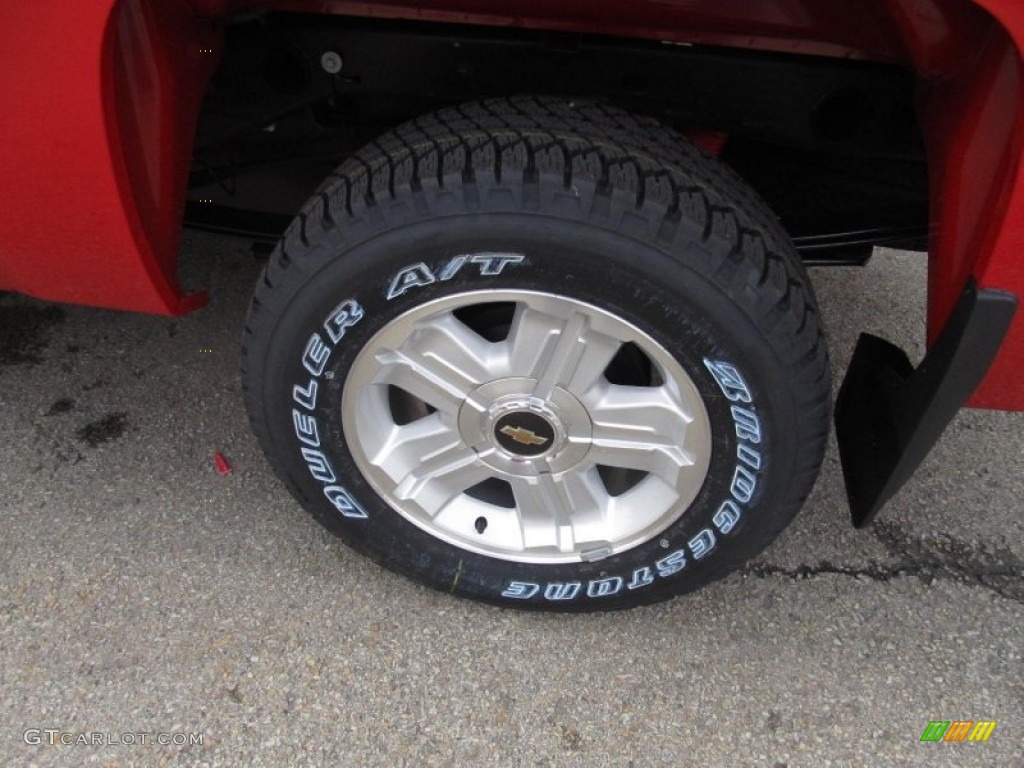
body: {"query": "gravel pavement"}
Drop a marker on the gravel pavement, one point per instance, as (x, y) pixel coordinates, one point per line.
(142, 594)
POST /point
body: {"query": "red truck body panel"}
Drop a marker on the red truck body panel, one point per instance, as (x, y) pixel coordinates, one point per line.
(95, 179)
(101, 99)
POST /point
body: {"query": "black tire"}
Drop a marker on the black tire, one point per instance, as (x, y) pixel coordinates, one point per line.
(605, 208)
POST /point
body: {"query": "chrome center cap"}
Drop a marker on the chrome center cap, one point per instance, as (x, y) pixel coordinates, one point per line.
(520, 434)
(525, 427)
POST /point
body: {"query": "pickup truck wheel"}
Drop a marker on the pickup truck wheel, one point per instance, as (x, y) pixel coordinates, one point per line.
(541, 354)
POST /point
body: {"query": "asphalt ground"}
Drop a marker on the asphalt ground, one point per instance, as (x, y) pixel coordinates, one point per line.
(142, 593)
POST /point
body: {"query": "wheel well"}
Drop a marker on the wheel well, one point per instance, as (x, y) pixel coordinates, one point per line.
(821, 139)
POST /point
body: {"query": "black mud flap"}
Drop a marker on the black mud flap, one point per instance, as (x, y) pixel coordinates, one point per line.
(889, 415)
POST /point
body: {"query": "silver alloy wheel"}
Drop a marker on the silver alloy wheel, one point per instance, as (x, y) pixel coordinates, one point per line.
(521, 448)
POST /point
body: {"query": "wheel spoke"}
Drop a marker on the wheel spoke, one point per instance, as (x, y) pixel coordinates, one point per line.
(575, 359)
(440, 363)
(560, 513)
(640, 428)
(430, 465)
(532, 335)
(414, 443)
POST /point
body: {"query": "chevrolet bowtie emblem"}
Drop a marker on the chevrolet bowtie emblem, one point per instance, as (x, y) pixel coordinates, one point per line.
(524, 436)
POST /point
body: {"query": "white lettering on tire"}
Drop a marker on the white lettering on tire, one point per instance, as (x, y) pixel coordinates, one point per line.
(748, 427)
(560, 591)
(642, 577)
(344, 316)
(343, 502)
(729, 379)
(727, 516)
(491, 264)
(604, 587)
(744, 483)
(701, 544)
(674, 563)
(419, 275)
(315, 357)
(318, 465)
(411, 277)
(306, 397)
(305, 428)
(522, 590)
